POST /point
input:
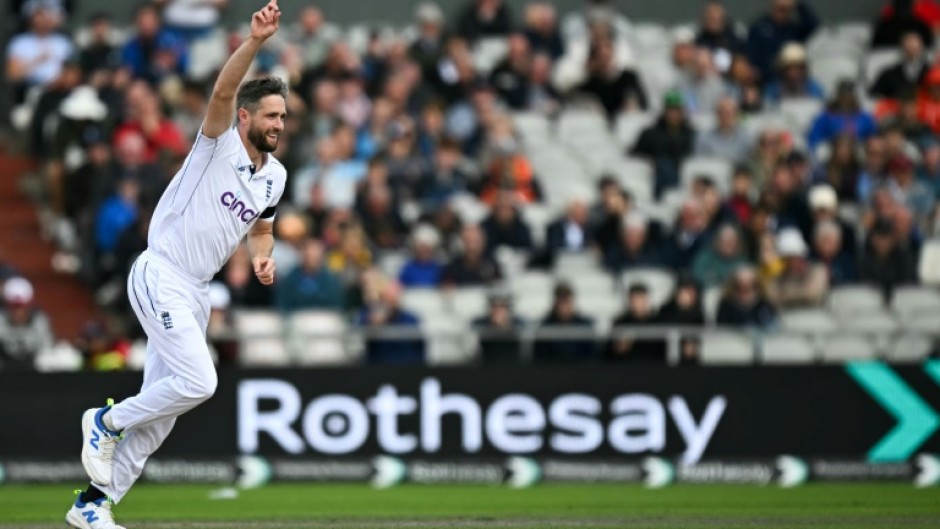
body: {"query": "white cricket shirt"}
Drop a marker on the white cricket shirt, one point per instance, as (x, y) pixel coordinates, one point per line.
(211, 204)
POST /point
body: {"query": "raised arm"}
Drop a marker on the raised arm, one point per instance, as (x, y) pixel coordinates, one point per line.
(221, 110)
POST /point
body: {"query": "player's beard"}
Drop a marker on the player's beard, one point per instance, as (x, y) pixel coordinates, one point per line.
(259, 138)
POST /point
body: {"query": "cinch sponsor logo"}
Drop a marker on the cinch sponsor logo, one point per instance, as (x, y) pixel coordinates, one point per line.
(234, 204)
(514, 423)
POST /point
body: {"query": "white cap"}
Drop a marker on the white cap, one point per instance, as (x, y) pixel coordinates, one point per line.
(17, 291)
(219, 296)
(823, 197)
(790, 243)
(429, 13)
(425, 234)
(83, 104)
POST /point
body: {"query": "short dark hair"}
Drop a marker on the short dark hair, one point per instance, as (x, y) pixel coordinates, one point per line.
(637, 289)
(250, 93)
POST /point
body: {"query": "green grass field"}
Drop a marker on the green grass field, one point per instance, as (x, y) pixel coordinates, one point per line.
(302, 506)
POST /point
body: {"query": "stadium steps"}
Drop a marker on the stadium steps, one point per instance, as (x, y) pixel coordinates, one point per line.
(68, 302)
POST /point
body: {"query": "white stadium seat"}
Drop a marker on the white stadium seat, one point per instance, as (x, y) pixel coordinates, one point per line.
(855, 299)
(843, 347)
(726, 348)
(779, 349)
(318, 338)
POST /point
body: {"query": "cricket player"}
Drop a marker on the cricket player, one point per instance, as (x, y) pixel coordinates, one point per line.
(226, 189)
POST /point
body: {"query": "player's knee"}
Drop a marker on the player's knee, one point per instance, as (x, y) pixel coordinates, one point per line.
(207, 384)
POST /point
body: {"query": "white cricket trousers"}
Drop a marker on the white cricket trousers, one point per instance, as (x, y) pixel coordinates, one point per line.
(173, 309)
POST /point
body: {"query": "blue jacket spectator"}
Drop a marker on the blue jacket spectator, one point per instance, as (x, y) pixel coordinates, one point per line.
(423, 270)
(787, 21)
(116, 214)
(844, 116)
(310, 285)
(154, 52)
(387, 312)
(564, 316)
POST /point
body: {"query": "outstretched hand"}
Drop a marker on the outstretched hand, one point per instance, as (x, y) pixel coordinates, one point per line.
(264, 23)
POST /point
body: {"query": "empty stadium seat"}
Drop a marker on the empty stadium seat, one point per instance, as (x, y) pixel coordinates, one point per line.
(261, 338)
(726, 348)
(629, 126)
(532, 307)
(915, 300)
(487, 52)
(468, 303)
(596, 283)
(929, 266)
(924, 323)
(808, 321)
(660, 282)
(831, 67)
(537, 217)
(845, 347)
(425, 302)
(571, 264)
(448, 341)
(855, 299)
(532, 282)
(532, 126)
(579, 123)
(878, 322)
(718, 169)
(391, 263)
(317, 338)
(801, 112)
(876, 61)
(909, 348)
(787, 348)
(635, 175)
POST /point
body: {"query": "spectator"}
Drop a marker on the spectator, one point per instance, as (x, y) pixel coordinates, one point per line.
(354, 105)
(331, 174)
(311, 285)
(219, 330)
(705, 190)
(904, 115)
(154, 52)
(510, 171)
(623, 346)
(824, 207)
(703, 87)
(773, 147)
(407, 169)
(896, 19)
(715, 264)
(616, 89)
(886, 263)
(907, 74)
(291, 229)
(787, 21)
(192, 19)
(427, 48)
(843, 116)
(99, 348)
(541, 95)
(829, 253)
(685, 309)
(793, 80)
(351, 256)
(580, 25)
(929, 100)
(244, 288)
(843, 168)
(690, 235)
(570, 233)
(510, 76)
(191, 111)
(116, 215)
(717, 34)
(146, 119)
(606, 217)
(52, 108)
(927, 11)
(741, 199)
(423, 269)
(785, 194)
(800, 283)
(744, 305)
(499, 332)
(484, 18)
(36, 56)
(564, 318)
(634, 248)
(381, 220)
(728, 140)
(667, 143)
(25, 332)
(744, 85)
(907, 190)
(541, 30)
(504, 227)
(312, 36)
(472, 267)
(929, 170)
(875, 170)
(385, 315)
(452, 174)
(99, 53)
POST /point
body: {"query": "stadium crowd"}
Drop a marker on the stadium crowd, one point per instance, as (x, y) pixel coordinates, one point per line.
(416, 161)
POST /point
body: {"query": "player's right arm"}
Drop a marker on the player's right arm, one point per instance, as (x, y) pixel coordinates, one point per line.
(264, 23)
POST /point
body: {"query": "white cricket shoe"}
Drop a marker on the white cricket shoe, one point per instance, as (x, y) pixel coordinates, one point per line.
(98, 443)
(92, 515)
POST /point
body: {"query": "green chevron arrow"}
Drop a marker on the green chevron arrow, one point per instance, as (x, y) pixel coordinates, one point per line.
(916, 420)
(932, 367)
